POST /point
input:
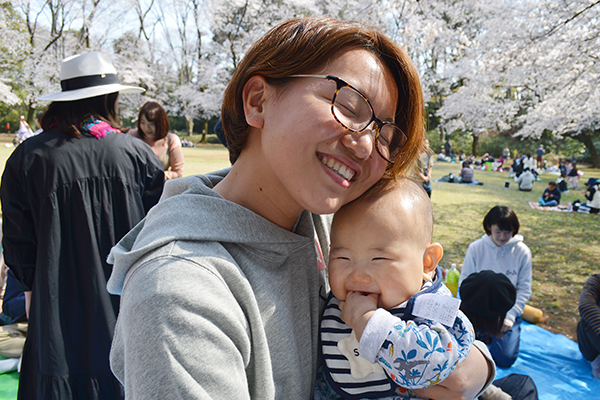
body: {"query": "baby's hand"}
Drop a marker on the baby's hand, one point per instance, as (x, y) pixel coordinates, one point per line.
(357, 310)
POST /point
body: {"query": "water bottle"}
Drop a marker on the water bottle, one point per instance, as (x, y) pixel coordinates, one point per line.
(452, 279)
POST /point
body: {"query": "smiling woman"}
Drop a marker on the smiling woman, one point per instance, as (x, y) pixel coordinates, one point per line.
(153, 128)
(223, 285)
(502, 250)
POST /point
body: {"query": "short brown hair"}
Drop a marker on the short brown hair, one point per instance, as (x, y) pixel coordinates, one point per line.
(153, 112)
(303, 45)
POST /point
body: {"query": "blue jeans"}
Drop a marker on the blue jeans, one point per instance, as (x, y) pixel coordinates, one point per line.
(505, 350)
(548, 203)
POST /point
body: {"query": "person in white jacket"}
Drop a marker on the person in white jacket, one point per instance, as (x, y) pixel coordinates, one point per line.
(502, 250)
(530, 162)
(526, 180)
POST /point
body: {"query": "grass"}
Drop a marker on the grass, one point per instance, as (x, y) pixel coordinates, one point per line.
(564, 246)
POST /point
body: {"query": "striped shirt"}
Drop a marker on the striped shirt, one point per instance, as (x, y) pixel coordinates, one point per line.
(589, 303)
(414, 371)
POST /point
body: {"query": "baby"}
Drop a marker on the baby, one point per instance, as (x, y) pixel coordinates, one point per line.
(401, 327)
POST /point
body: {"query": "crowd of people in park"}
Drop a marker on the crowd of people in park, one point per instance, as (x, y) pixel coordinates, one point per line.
(525, 170)
(289, 275)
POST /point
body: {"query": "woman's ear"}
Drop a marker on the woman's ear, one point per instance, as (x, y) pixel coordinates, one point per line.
(254, 96)
(433, 254)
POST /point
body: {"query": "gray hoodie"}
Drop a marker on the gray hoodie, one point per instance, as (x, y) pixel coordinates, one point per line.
(513, 260)
(216, 301)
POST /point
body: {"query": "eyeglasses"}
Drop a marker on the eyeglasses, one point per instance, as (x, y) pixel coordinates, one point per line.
(354, 111)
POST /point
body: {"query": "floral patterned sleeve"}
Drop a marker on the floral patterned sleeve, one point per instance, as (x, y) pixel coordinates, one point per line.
(416, 354)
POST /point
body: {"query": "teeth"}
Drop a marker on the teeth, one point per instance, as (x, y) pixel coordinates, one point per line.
(340, 169)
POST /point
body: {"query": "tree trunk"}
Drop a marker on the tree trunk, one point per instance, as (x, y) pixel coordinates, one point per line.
(205, 132)
(474, 144)
(30, 115)
(587, 139)
(189, 123)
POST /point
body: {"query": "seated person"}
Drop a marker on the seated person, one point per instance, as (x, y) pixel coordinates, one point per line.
(592, 194)
(486, 297)
(380, 274)
(551, 196)
(517, 167)
(588, 328)
(498, 164)
(526, 180)
(466, 173)
(502, 250)
(442, 156)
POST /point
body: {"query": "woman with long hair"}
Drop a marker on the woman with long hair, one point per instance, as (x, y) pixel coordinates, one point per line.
(68, 195)
(153, 128)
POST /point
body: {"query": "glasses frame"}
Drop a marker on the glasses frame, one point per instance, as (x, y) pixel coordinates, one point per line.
(340, 83)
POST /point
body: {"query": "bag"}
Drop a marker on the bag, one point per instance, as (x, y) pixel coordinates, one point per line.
(520, 387)
(12, 340)
(562, 186)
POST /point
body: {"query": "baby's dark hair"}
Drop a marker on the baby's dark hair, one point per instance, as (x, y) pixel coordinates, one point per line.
(504, 217)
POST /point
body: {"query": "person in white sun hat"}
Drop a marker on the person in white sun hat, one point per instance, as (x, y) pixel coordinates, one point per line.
(68, 195)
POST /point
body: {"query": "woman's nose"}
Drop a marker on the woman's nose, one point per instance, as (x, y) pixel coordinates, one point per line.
(361, 143)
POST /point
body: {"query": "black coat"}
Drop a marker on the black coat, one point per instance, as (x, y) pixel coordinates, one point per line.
(65, 202)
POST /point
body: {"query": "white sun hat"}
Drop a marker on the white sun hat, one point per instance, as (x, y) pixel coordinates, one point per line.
(88, 75)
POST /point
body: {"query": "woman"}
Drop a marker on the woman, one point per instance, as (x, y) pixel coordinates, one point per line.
(153, 128)
(573, 175)
(68, 195)
(592, 195)
(466, 173)
(223, 285)
(501, 250)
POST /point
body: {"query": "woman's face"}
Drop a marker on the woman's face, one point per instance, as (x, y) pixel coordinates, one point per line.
(313, 161)
(148, 128)
(500, 237)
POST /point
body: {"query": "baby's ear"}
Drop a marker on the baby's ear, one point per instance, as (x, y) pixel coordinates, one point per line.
(432, 255)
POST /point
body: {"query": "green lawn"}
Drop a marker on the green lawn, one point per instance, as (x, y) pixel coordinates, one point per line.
(564, 246)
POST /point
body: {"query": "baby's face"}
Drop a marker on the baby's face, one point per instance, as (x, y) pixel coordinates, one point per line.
(377, 250)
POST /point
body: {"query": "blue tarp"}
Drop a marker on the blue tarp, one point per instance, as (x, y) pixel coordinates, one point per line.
(555, 364)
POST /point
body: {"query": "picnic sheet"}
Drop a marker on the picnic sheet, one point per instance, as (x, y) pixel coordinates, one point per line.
(559, 208)
(555, 364)
(553, 361)
(475, 182)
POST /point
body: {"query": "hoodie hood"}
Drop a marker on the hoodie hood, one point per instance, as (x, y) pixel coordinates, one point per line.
(190, 210)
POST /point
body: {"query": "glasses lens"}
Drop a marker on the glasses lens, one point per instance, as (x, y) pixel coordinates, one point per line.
(390, 141)
(351, 109)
